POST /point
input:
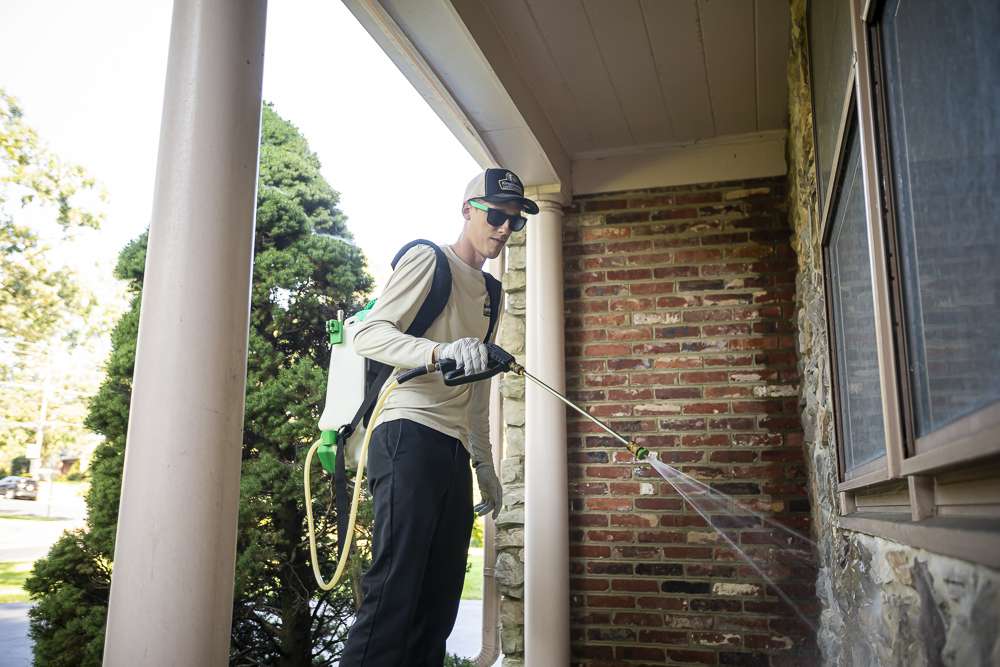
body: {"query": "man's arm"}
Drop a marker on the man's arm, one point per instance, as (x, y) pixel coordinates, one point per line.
(381, 337)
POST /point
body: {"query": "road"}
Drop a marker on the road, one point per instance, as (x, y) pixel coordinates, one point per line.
(27, 530)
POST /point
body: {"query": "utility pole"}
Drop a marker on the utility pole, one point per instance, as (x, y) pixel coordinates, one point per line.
(34, 452)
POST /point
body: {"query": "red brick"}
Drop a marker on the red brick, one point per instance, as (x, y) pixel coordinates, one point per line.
(636, 585)
(651, 536)
(728, 391)
(609, 472)
(625, 218)
(608, 350)
(703, 377)
(630, 274)
(614, 320)
(698, 657)
(654, 258)
(651, 288)
(598, 233)
(629, 394)
(630, 521)
(631, 304)
(628, 246)
(605, 290)
(651, 201)
(605, 204)
(589, 551)
(658, 504)
(638, 619)
(639, 653)
(638, 333)
(609, 504)
(619, 601)
(675, 271)
(588, 584)
(705, 408)
(605, 380)
(671, 393)
(610, 535)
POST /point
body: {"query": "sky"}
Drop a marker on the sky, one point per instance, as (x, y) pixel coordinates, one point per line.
(89, 77)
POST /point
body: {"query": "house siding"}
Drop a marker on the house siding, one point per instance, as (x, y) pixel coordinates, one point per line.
(883, 603)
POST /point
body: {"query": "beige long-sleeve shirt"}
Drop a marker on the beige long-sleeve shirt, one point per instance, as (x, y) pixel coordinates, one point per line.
(461, 412)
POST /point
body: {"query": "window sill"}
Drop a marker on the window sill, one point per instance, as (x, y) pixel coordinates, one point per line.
(968, 538)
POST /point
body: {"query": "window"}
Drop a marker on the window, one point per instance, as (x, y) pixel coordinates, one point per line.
(856, 377)
(941, 68)
(830, 64)
(911, 250)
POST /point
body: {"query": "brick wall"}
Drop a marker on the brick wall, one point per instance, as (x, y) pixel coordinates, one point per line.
(680, 332)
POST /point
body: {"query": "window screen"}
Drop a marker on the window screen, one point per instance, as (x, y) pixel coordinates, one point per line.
(853, 311)
(830, 55)
(942, 88)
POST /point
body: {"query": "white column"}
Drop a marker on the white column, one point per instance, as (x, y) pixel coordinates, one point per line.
(172, 588)
(546, 517)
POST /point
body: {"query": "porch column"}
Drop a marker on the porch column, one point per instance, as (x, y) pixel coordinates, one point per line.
(172, 588)
(546, 520)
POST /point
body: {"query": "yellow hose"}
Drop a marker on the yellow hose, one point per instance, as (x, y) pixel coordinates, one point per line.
(342, 562)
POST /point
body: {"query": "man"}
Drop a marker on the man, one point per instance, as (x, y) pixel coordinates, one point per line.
(422, 443)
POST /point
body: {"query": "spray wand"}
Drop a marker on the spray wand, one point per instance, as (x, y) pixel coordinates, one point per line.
(501, 361)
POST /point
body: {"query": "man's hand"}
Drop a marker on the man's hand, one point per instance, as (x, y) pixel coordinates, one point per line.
(490, 490)
(467, 353)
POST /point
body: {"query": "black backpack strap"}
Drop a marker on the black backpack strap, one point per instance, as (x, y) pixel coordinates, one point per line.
(377, 373)
(440, 292)
(495, 291)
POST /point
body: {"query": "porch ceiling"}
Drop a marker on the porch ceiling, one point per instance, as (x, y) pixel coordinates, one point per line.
(596, 95)
(616, 74)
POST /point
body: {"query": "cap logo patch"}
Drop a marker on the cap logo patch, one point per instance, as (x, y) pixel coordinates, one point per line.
(510, 182)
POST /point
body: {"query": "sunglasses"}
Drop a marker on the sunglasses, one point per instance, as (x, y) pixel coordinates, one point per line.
(497, 217)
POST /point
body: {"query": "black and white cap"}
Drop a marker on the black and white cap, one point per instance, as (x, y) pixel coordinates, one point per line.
(499, 185)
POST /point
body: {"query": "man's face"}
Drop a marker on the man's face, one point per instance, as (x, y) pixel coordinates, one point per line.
(487, 239)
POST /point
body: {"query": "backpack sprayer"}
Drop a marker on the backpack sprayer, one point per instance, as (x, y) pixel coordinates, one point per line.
(346, 382)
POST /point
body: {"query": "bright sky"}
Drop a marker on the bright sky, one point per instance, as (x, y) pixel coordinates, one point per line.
(89, 77)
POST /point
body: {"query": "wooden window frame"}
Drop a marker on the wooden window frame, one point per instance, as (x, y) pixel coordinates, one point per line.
(919, 461)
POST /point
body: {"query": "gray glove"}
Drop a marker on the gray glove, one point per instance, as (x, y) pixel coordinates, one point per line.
(468, 353)
(490, 490)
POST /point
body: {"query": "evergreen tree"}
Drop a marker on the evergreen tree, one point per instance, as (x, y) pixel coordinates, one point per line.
(305, 269)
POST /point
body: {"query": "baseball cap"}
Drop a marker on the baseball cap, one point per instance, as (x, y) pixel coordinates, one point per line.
(497, 184)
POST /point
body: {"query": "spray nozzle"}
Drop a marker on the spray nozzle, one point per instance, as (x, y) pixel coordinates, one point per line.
(638, 451)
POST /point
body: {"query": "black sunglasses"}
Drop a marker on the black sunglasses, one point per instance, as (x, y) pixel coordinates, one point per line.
(497, 217)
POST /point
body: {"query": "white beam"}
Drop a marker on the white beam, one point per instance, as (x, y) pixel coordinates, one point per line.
(728, 158)
(172, 588)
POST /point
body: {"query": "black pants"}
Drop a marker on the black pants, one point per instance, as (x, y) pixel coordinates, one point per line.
(421, 483)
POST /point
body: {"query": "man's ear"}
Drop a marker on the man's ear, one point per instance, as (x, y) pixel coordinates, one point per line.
(465, 210)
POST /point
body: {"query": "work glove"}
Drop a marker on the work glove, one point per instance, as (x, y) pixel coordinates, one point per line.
(467, 353)
(490, 490)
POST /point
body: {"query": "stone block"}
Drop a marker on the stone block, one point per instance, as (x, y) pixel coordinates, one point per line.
(509, 570)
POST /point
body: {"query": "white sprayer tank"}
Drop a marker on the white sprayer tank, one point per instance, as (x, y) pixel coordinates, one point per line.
(345, 387)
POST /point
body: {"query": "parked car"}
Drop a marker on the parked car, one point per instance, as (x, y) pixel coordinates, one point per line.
(19, 487)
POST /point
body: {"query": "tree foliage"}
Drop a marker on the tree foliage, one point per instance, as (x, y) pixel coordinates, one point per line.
(305, 268)
(36, 296)
(44, 308)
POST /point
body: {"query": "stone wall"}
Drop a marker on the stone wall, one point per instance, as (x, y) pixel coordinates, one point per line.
(510, 522)
(883, 603)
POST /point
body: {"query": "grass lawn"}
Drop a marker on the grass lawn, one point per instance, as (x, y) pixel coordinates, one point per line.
(473, 589)
(12, 576)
